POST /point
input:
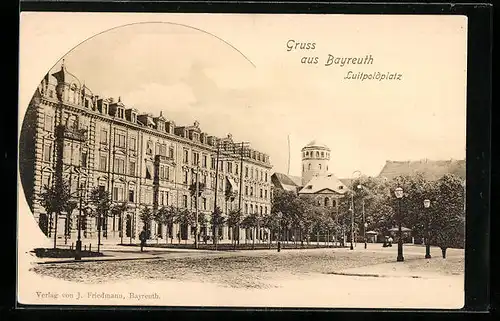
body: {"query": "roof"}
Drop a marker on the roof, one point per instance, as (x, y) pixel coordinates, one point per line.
(324, 183)
(286, 182)
(431, 170)
(65, 76)
(316, 144)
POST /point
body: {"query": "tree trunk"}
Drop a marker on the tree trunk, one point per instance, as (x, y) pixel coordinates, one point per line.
(55, 231)
(98, 234)
(317, 238)
(253, 238)
(443, 251)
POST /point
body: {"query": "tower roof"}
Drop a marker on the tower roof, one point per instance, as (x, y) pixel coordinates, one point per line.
(65, 76)
(316, 144)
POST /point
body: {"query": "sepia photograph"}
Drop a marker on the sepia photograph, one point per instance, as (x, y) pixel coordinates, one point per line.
(242, 160)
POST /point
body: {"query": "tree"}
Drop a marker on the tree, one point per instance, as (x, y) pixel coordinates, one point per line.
(184, 218)
(233, 221)
(193, 189)
(146, 215)
(101, 201)
(216, 220)
(69, 208)
(448, 222)
(271, 221)
(54, 200)
(251, 222)
(118, 210)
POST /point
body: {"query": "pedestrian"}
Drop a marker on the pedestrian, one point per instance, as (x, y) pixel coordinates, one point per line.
(142, 237)
(390, 241)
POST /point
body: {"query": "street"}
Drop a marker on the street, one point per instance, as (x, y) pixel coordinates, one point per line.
(318, 277)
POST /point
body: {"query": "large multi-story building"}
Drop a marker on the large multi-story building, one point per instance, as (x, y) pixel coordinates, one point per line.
(138, 158)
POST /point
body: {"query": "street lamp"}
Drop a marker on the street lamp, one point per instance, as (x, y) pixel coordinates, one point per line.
(360, 187)
(351, 208)
(279, 231)
(427, 204)
(78, 252)
(364, 233)
(399, 196)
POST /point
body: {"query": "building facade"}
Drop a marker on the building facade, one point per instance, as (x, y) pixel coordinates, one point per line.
(316, 182)
(140, 159)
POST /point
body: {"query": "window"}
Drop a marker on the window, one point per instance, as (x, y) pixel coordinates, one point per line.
(251, 173)
(319, 166)
(265, 209)
(317, 154)
(157, 149)
(246, 190)
(132, 143)
(185, 200)
(186, 177)
(246, 208)
(46, 152)
(212, 165)
(205, 180)
(163, 150)
(103, 160)
(230, 167)
(265, 193)
(322, 154)
(131, 168)
(261, 210)
(131, 195)
(309, 167)
(196, 158)
(204, 203)
(171, 152)
(204, 161)
(84, 159)
(186, 156)
(251, 208)
(251, 190)
(49, 120)
(236, 169)
(149, 171)
(266, 177)
(246, 172)
(117, 193)
(119, 166)
(327, 201)
(45, 181)
(261, 193)
(104, 136)
(221, 167)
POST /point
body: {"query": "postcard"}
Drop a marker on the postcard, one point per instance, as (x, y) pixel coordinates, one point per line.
(242, 160)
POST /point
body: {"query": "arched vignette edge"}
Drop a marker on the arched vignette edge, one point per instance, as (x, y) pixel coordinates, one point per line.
(156, 22)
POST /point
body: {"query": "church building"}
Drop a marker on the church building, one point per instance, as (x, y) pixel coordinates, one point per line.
(316, 181)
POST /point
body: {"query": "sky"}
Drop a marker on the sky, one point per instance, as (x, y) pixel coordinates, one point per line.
(241, 79)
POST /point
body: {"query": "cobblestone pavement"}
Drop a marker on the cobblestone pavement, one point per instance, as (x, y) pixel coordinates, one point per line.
(253, 269)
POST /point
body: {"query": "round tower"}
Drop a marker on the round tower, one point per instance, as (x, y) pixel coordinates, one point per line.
(315, 159)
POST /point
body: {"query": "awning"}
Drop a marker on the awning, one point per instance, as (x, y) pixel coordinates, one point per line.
(403, 229)
(372, 232)
(232, 183)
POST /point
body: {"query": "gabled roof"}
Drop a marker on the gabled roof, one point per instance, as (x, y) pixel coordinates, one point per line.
(286, 182)
(431, 170)
(321, 183)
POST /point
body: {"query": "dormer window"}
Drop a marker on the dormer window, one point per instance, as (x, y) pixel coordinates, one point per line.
(133, 118)
(195, 137)
(341, 187)
(120, 113)
(309, 187)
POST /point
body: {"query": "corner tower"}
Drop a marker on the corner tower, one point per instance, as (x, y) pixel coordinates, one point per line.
(315, 159)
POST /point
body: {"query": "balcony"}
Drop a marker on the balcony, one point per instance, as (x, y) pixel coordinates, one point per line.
(73, 133)
(163, 159)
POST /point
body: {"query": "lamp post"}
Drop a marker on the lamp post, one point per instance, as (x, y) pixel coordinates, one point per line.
(399, 195)
(78, 248)
(364, 233)
(279, 231)
(352, 221)
(360, 187)
(427, 204)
